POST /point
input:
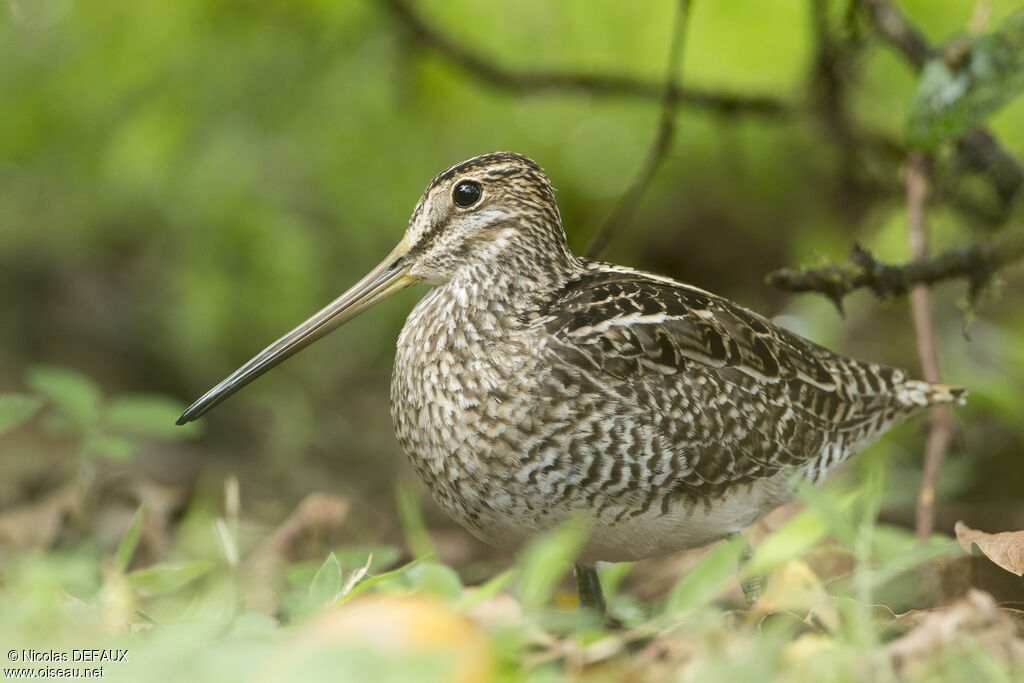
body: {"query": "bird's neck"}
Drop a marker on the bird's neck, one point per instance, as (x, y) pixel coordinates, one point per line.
(518, 282)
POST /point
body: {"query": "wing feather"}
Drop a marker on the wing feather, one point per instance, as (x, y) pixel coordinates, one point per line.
(735, 395)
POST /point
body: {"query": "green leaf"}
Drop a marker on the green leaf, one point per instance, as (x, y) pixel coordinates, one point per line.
(791, 540)
(253, 625)
(411, 516)
(73, 395)
(112, 448)
(15, 409)
(168, 577)
(380, 579)
(326, 583)
(354, 556)
(836, 513)
(973, 78)
(130, 540)
(488, 590)
(547, 559)
(217, 601)
(436, 579)
(612, 576)
(706, 579)
(148, 415)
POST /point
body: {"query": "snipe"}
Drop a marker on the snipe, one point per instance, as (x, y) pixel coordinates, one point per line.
(531, 384)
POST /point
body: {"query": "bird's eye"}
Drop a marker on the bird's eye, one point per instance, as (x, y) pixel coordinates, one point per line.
(467, 193)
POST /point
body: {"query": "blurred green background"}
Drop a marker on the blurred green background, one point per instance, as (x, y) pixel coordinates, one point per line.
(181, 182)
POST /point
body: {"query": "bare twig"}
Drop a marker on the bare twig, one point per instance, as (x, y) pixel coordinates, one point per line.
(897, 30)
(828, 87)
(531, 81)
(976, 263)
(941, 429)
(627, 204)
(979, 150)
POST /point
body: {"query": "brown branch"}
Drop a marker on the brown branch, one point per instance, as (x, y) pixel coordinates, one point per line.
(940, 431)
(897, 30)
(629, 201)
(979, 150)
(536, 81)
(976, 263)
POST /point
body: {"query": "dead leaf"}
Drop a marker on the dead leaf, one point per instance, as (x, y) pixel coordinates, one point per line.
(1006, 549)
(797, 589)
(37, 525)
(975, 619)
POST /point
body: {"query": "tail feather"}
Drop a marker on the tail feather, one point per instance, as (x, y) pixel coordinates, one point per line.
(915, 393)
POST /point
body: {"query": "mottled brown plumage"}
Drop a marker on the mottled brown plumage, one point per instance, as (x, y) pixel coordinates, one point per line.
(531, 384)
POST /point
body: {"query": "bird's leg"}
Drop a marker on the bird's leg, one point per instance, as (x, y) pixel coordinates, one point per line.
(588, 584)
(753, 586)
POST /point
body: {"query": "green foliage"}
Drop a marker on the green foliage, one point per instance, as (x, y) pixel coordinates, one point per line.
(106, 429)
(130, 540)
(488, 590)
(435, 579)
(973, 78)
(147, 415)
(411, 516)
(167, 577)
(191, 621)
(547, 559)
(794, 538)
(705, 580)
(325, 587)
(15, 409)
(379, 556)
(75, 398)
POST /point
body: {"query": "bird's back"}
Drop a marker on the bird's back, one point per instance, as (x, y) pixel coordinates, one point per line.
(749, 396)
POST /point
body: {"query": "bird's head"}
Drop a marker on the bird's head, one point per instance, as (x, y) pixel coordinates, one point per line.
(487, 212)
(494, 213)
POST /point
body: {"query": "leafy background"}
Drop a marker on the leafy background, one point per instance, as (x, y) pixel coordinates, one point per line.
(182, 182)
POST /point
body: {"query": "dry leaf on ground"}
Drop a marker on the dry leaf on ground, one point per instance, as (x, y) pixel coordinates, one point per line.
(37, 525)
(976, 620)
(1006, 549)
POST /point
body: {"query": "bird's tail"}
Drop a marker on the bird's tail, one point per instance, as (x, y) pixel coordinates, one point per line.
(915, 393)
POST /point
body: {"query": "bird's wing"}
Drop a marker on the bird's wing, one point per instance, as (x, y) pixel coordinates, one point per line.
(732, 389)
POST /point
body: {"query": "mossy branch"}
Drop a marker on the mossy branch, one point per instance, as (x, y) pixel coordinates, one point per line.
(976, 263)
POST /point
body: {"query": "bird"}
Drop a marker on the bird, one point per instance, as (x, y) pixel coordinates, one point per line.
(531, 385)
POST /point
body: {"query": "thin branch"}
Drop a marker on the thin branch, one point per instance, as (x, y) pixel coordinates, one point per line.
(940, 431)
(976, 263)
(978, 150)
(896, 29)
(662, 142)
(536, 81)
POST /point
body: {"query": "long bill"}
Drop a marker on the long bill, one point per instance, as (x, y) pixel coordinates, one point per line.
(387, 278)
